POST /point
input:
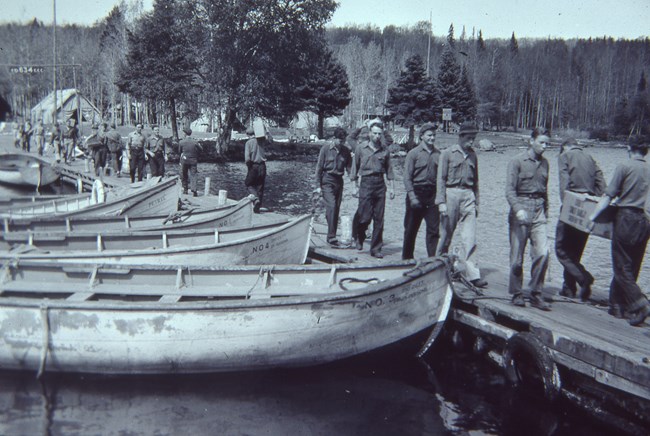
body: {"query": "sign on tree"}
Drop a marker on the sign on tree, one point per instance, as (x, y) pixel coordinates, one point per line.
(446, 114)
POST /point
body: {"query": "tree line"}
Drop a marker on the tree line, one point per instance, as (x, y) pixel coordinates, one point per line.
(236, 60)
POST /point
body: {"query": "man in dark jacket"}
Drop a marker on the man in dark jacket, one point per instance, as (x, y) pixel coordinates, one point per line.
(255, 158)
(189, 149)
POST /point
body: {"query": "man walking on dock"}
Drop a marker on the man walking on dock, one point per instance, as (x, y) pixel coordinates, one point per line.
(70, 138)
(420, 174)
(333, 160)
(135, 152)
(255, 159)
(526, 192)
(114, 144)
(457, 197)
(155, 151)
(189, 149)
(631, 185)
(579, 173)
(372, 162)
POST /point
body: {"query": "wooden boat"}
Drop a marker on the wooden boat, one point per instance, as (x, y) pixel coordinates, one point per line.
(128, 240)
(137, 320)
(230, 214)
(151, 197)
(24, 169)
(273, 244)
(7, 203)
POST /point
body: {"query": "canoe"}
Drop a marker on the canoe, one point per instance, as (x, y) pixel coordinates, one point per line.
(151, 197)
(23, 169)
(137, 320)
(230, 214)
(284, 244)
(127, 240)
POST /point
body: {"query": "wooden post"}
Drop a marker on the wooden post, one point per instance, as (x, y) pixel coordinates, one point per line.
(206, 191)
(223, 197)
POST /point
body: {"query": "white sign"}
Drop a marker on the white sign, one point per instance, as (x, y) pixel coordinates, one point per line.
(446, 114)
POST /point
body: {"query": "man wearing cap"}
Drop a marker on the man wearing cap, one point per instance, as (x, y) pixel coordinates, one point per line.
(255, 159)
(189, 149)
(631, 185)
(135, 152)
(334, 159)
(39, 136)
(372, 162)
(527, 195)
(97, 149)
(420, 173)
(114, 144)
(155, 152)
(457, 197)
(579, 173)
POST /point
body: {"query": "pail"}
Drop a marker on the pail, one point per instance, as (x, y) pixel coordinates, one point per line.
(223, 196)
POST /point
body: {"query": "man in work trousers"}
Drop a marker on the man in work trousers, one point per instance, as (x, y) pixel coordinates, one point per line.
(457, 197)
(631, 185)
(39, 136)
(114, 143)
(579, 173)
(95, 144)
(334, 159)
(526, 192)
(70, 138)
(135, 152)
(371, 162)
(420, 174)
(189, 149)
(155, 152)
(255, 159)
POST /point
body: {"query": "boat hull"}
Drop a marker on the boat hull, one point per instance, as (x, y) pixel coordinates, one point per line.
(26, 170)
(240, 213)
(323, 325)
(147, 198)
(272, 244)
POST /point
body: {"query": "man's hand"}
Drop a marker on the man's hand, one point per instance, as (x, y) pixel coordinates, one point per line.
(355, 191)
(413, 200)
(522, 216)
(442, 208)
(391, 194)
(318, 191)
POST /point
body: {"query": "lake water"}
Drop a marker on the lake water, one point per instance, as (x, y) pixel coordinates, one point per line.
(449, 392)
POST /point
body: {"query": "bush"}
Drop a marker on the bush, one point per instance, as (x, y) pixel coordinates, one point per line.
(600, 134)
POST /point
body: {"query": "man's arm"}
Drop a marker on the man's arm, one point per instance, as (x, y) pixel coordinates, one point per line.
(563, 172)
(441, 179)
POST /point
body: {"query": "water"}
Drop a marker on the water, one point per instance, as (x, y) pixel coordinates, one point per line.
(450, 392)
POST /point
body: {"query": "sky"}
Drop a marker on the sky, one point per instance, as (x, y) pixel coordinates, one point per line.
(495, 18)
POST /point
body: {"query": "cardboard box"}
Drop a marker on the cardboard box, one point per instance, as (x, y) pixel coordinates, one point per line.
(258, 128)
(576, 209)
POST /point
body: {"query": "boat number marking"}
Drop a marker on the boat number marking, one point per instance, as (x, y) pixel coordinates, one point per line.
(261, 247)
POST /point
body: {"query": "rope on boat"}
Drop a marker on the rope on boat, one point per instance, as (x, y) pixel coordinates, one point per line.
(372, 280)
(179, 216)
(45, 319)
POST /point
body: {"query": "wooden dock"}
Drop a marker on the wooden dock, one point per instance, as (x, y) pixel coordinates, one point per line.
(576, 351)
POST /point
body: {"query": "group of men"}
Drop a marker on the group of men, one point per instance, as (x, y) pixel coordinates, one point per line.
(442, 189)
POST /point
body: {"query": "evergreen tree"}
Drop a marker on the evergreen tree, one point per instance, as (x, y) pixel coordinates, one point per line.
(640, 107)
(413, 99)
(449, 82)
(466, 98)
(450, 35)
(159, 63)
(326, 91)
(480, 44)
(514, 45)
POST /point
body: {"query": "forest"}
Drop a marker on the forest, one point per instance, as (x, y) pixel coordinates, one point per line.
(188, 58)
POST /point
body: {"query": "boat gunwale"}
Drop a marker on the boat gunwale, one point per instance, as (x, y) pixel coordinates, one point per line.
(424, 269)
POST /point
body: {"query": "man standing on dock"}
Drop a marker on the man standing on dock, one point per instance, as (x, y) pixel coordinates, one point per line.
(526, 192)
(114, 144)
(39, 136)
(420, 174)
(70, 138)
(631, 185)
(334, 159)
(189, 149)
(255, 159)
(97, 148)
(135, 152)
(457, 197)
(155, 150)
(579, 173)
(372, 162)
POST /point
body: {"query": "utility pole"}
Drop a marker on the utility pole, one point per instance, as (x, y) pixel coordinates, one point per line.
(54, 117)
(429, 44)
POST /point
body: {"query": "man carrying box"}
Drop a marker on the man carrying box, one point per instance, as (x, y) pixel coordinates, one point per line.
(579, 173)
